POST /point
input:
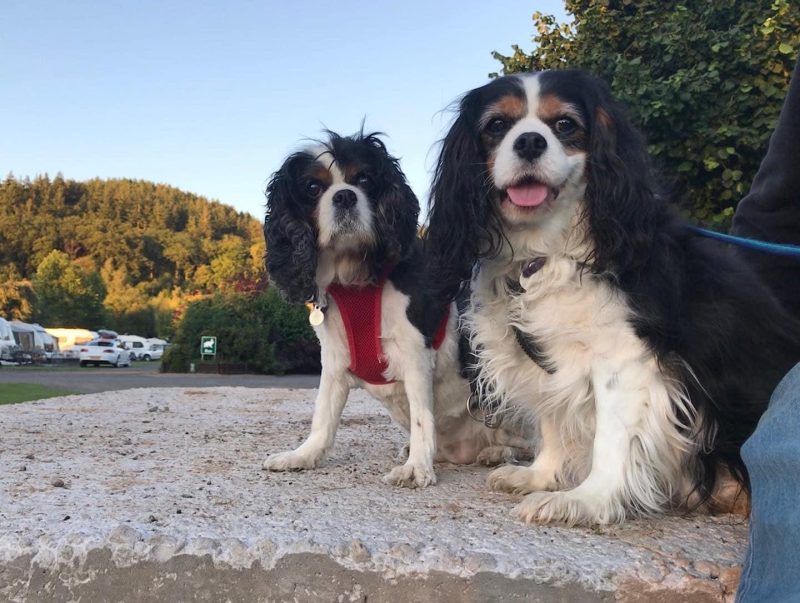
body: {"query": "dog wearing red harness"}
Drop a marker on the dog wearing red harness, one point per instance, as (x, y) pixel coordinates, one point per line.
(341, 230)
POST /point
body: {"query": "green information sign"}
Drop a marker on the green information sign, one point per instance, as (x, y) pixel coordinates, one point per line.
(208, 346)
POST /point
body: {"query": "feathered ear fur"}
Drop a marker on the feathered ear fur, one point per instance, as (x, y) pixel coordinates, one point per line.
(397, 210)
(462, 223)
(291, 238)
(622, 209)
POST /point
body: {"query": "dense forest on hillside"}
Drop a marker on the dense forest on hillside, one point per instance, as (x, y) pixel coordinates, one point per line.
(140, 248)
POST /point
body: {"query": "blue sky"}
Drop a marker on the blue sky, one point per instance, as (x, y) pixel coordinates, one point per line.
(210, 96)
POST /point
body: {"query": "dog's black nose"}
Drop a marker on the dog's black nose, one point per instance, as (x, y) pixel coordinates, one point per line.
(530, 145)
(344, 198)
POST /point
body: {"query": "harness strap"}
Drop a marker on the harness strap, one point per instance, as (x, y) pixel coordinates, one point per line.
(360, 308)
(441, 330)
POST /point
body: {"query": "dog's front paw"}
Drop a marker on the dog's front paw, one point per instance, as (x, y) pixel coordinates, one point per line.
(520, 480)
(569, 508)
(411, 475)
(491, 456)
(292, 460)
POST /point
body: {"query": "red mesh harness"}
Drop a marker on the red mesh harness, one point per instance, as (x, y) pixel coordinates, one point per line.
(360, 308)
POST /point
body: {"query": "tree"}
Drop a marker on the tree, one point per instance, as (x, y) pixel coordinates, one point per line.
(126, 306)
(66, 295)
(17, 298)
(704, 79)
(145, 240)
(16, 295)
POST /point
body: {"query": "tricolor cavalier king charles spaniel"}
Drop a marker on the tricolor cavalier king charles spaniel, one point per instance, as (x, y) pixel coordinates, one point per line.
(646, 353)
(341, 222)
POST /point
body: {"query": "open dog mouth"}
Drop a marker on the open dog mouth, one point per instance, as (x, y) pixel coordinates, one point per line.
(529, 192)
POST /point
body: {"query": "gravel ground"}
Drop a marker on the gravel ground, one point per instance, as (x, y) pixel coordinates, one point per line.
(101, 495)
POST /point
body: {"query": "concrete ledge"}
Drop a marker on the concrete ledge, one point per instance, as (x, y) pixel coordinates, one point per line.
(157, 494)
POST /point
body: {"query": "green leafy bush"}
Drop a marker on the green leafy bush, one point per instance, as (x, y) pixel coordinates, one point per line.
(705, 80)
(259, 330)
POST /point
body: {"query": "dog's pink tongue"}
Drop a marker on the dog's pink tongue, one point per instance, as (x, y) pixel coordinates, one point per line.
(529, 195)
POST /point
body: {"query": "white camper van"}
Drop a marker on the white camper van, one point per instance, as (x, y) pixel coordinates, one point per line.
(34, 340)
(8, 345)
(135, 345)
(45, 342)
(70, 340)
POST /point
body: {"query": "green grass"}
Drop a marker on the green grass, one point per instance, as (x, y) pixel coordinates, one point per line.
(42, 367)
(11, 393)
(73, 366)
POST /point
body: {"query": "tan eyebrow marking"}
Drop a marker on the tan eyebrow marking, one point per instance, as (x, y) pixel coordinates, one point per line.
(321, 173)
(352, 170)
(551, 108)
(510, 106)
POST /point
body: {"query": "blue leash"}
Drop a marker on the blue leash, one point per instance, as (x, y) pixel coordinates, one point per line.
(773, 248)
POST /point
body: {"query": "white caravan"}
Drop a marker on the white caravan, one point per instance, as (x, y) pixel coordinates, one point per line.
(8, 345)
(135, 344)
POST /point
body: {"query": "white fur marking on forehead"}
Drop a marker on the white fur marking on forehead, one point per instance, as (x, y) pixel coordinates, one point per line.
(329, 161)
(532, 86)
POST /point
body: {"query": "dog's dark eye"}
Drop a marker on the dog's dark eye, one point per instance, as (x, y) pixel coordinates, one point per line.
(314, 189)
(566, 125)
(496, 126)
(363, 180)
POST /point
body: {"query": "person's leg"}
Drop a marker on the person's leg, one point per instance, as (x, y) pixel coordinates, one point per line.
(771, 570)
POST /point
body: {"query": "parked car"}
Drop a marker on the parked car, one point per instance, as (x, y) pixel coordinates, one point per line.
(153, 351)
(104, 351)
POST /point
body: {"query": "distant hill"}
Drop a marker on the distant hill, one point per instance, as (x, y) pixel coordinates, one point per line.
(144, 240)
(154, 231)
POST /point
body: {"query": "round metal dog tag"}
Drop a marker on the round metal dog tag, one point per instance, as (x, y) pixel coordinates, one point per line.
(316, 317)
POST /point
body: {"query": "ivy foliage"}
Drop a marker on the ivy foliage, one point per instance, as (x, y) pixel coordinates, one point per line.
(704, 80)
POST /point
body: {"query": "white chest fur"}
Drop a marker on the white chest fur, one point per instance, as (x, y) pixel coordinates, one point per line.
(612, 423)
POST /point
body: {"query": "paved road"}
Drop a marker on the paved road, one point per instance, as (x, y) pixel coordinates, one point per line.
(91, 380)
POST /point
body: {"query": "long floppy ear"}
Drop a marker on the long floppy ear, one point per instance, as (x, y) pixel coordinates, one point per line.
(396, 219)
(291, 239)
(397, 210)
(622, 206)
(461, 223)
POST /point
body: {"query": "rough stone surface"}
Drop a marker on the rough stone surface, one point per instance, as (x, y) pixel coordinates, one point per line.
(161, 496)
